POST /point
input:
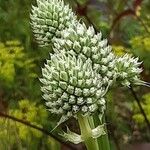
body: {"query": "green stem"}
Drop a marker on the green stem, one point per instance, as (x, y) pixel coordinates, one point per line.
(86, 133)
(93, 125)
(103, 141)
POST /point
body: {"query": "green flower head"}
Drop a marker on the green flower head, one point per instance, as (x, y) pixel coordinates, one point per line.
(80, 40)
(128, 70)
(71, 86)
(49, 18)
(82, 67)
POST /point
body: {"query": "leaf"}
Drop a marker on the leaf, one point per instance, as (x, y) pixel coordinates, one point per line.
(72, 137)
(98, 131)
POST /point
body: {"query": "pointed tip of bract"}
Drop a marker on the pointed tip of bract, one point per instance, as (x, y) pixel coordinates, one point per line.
(62, 120)
(143, 83)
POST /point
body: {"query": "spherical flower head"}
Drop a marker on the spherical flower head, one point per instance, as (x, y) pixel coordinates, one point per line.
(49, 18)
(71, 86)
(128, 70)
(82, 40)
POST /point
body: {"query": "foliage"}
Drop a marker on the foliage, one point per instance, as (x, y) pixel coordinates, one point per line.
(13, 57)
(17, 71)
(119, 50)
(140, 47)
(14, 24)
(30, 112)
(138, 118)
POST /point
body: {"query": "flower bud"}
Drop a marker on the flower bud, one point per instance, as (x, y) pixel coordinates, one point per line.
(49, 18)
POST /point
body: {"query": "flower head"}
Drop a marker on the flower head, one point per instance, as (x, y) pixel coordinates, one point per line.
(49, 18)
(80, 40)
(128, 70)
(71, 86)
(83, 66)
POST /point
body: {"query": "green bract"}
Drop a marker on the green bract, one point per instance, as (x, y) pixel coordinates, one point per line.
(49, 18)
(70, 86)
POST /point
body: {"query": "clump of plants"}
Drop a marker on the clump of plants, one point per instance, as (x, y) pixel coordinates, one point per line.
(13, 57)
(17, 135)
(80, 71)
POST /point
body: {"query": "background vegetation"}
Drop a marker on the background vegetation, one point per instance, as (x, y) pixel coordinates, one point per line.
(126, 24)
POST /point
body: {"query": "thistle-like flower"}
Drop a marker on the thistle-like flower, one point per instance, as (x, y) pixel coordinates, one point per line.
(71, 86)
(128, 70)
(49, 18)
(80, 40)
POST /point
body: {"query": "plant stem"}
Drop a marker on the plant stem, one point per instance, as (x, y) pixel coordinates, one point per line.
(94, 125)
(140, 107)
(86, 133)
(105, 139)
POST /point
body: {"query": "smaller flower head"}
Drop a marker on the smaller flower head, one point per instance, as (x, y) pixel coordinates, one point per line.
(128, 70)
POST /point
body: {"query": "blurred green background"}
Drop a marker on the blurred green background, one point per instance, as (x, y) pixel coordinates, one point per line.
(126, 24)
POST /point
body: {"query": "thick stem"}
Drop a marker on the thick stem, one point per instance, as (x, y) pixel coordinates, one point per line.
(103, 141)
(86, 133)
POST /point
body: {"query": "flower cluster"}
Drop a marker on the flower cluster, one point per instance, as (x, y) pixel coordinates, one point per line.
(80, 40)
(128, 70)
(70, 85)
(49, 18)
(83, 66)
